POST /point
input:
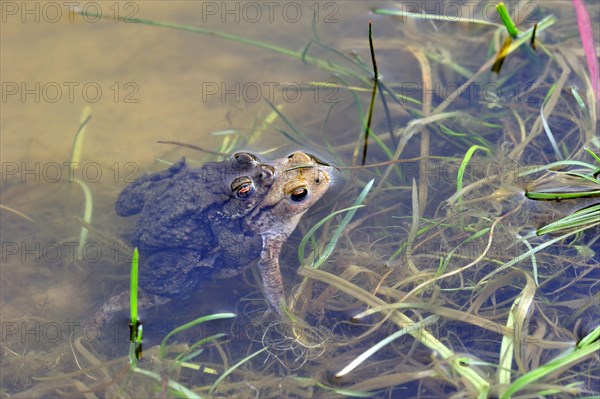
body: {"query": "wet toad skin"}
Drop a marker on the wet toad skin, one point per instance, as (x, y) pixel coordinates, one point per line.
(210, 222)
(190, 222)
(301, 181)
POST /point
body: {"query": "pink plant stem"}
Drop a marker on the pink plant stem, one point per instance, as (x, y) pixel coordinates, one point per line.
(587, 38)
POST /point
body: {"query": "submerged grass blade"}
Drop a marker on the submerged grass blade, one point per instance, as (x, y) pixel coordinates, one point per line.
(463, 166)
(506, 351)
(534, 267)
(338, 231)
(16, 212)
(87, 217)
(478, 383)
(590, 338)
(582, 217)
(181, 390)
(233, 368)
(364, 125)
(387, 340)
(190, 353)
(199, 320)
(434, 17)
(562, 362)
(77, 147)
(301, 137)
(556, 165)
(373, 96)
(76, 151)
(531, 252)
(593, 154)
(550, 135)
(524, 37)
(311, 232)
(299, 55)
(347, 392)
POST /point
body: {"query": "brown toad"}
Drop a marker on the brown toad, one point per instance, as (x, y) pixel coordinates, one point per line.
(201, 223)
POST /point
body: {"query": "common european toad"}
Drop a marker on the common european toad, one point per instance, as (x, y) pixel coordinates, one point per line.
(210, 222)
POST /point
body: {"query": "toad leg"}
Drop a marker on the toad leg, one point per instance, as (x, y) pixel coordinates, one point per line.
(270, 273)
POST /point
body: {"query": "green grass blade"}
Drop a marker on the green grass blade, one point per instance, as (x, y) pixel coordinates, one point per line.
(175, 386)
(136, 330)
(298, 133)
(582, 217)
(524, 37)
(592, 153)
(463, 166)
(529, 253)
(590, 338)
(562, 362)
(199, 320)
(338, 231)
(507, 20)
(326, 65)
(533, 259)
(133, 286)
(233, 368)
(561, 196)
(580, 101)
(311, 232)
(384, 342)
(433, 17)
(555, 165)
(506, 350)
(187, 355)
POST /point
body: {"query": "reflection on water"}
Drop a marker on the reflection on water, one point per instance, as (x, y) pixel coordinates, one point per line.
(149, 83)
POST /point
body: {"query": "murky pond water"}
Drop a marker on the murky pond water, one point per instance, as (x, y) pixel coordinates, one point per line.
(439, 271)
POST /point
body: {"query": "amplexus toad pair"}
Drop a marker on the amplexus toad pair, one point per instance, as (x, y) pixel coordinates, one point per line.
(199, 224)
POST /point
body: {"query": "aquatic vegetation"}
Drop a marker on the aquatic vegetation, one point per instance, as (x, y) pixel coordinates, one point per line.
(461, 260)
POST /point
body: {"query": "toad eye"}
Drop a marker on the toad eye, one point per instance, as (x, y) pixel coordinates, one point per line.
(244, 157)
(243, 187)
(299, 194)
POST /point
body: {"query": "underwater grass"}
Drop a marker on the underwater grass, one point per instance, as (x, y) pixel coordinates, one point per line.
(479, 384)
(463, 166)
(435, 17)
(178, 389)
(199, 320)
(227, 372)
(578, 355)
(373, 96)
(338, 231)
(455, 298)
(87, 216)
(16, 212)
(301, 55)
(75, 160)
(136, 333)
(136, 329)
